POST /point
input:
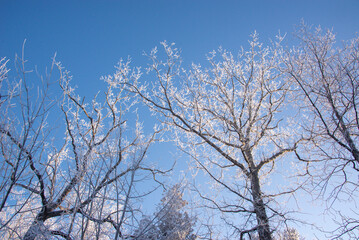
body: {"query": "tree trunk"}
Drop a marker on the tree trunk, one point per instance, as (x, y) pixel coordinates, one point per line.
(34, 230)
(37, 227)
(259, 208)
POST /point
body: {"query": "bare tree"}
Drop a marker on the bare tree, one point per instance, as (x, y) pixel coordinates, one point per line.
(229, 118)
(77, 185)
(327, 79)
(6, 94)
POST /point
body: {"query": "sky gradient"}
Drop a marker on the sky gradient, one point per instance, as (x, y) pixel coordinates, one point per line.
(89, 37)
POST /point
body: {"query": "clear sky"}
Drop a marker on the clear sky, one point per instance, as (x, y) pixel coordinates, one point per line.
(91, 36)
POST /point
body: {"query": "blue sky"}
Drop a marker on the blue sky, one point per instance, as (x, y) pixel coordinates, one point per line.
(91, 36)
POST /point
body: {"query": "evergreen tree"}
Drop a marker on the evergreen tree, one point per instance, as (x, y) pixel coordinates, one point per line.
(170, 221)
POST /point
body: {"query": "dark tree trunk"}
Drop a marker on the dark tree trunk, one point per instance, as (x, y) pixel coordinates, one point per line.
(259, 208)
(34, 230)
(37, 226)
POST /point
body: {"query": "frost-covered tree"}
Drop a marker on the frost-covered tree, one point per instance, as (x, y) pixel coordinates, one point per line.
(327, 77)
(230, 118)
(76, 185)
(170, 222)
(289, 234)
